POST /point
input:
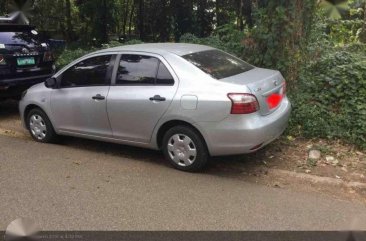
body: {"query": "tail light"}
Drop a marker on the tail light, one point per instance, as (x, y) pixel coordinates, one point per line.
(2, 60)
(275, 99)
(48, 56)
(243, 103)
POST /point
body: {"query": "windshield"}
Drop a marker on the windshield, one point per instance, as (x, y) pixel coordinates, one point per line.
(218, 64)
(18, 38)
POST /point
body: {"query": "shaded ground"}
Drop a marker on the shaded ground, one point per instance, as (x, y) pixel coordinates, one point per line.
(86, 185)
(287, 153)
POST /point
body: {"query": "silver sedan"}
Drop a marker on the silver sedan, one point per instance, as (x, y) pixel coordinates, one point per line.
(190, 101)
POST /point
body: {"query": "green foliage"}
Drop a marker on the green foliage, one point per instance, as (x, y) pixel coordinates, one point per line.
(282, 29)
(73, 52)
(345, 31)
(324, 57)
(330, 99)
(333, 8)
(69, 55)
(215, 41)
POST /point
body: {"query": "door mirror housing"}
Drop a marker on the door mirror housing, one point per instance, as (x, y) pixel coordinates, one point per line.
(51, 83)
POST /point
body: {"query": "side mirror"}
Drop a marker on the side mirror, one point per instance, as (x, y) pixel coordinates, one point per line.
(51, 83)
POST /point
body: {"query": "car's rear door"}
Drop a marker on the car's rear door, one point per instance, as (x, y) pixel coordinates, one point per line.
(80, 104)
(140, 94)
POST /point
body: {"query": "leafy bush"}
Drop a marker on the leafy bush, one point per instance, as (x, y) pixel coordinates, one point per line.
(74, 51)
(230, 46)
(69, 55)
(330, 99)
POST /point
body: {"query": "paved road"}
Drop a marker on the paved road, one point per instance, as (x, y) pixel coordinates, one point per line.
(87, 185)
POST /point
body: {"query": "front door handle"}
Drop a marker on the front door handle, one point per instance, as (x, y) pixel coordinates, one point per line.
(98, 97)
(157, 98)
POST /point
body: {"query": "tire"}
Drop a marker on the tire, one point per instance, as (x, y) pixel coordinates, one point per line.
(185, 149)
(40, 127)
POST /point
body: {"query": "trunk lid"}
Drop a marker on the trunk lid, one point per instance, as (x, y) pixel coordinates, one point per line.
(267, 85)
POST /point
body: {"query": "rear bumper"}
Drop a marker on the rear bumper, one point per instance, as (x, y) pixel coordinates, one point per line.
(239, 134)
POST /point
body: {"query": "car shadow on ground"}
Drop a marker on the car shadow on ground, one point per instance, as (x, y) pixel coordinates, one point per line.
(8, 109)
(222, 166)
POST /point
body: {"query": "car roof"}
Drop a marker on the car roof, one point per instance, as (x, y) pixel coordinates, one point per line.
(161, 48)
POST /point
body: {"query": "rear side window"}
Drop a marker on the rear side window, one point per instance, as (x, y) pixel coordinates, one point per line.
(137, 69)
(218, 64)
(142, 70)
(89, 72)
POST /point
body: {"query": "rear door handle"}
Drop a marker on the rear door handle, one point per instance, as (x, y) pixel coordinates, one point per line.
(98, 97)
(157, 98)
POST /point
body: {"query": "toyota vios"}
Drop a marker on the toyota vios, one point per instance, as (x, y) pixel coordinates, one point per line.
(190, 101)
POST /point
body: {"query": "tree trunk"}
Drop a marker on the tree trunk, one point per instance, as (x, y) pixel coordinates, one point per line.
(130, 21)
(240, 15)
(103, 19)
(140, 20)
(183, 14)
(218, 9)
(69, 28)
(247, 11)
(363, 32)
(3, 4)
(164, 22)
(201, 21)
(125, 17)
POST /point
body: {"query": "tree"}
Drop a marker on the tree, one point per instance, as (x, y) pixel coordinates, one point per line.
(98, 17)
(163, 23)
(3, 8)
(69, 28)
(204, 18)
(130, 19)
(363, 31)
(182, 16)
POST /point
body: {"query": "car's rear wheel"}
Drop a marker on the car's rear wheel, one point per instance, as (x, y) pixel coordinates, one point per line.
(40, 126)
(185, 149)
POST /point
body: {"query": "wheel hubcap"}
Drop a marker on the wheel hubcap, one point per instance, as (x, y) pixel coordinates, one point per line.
(182, 150)
(38, 127)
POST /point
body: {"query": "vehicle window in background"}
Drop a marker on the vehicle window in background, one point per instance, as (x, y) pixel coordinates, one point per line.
(164, 77)
(25, 37)
(218, 64)
(89, 72)
(136, 69)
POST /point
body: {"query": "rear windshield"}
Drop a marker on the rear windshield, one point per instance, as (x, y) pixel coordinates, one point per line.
(218, 64)
(18, 37)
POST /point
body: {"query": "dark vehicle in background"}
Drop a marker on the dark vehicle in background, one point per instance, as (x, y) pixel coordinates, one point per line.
(25, 59)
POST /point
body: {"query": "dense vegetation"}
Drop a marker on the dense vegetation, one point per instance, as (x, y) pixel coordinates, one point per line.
(318, 45)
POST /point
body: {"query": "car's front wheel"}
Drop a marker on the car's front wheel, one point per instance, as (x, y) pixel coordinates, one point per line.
(40, 126)
(185, 149)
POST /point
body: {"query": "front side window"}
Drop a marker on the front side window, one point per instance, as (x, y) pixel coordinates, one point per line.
(89, 72)
(218, 64)
(137, 69)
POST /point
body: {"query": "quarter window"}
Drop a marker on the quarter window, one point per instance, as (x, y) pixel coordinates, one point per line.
(164, 77)
(89, 72)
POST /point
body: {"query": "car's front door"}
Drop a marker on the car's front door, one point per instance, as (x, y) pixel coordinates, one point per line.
(79, 105)
(141, 93)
